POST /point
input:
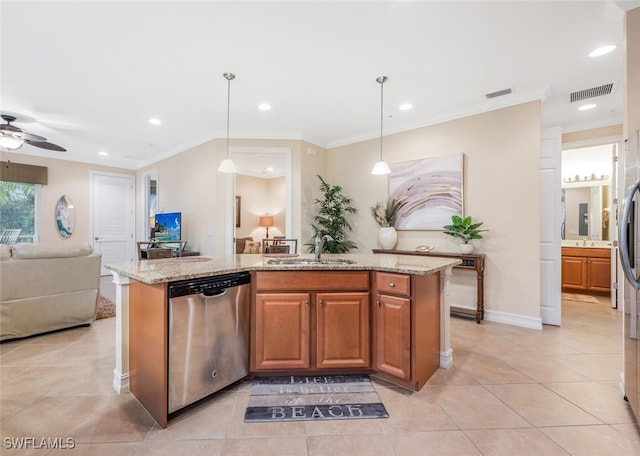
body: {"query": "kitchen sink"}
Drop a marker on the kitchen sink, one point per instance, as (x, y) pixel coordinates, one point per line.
(309, 261)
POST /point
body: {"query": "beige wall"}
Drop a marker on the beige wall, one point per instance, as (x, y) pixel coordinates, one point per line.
(632, 72)
(260, 197)
(65, 178)
(501, 188)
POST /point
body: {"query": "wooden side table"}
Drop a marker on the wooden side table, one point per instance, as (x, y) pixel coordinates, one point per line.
(472, 261)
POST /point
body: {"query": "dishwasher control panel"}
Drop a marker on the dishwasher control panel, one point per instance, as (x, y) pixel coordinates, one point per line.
(208, 285)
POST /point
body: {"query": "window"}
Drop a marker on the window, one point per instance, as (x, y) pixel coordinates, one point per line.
(18, 209)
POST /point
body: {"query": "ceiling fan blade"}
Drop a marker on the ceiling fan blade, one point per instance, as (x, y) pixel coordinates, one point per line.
(45, 145)
(9, 129)
(28, 136)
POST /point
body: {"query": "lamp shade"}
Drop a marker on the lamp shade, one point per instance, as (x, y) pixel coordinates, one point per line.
(266, 220)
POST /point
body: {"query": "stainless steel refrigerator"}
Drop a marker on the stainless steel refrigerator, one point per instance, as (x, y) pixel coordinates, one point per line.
(629, 249)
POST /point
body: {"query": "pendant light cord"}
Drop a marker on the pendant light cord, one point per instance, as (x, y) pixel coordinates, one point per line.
(381, 80)
(228, 77)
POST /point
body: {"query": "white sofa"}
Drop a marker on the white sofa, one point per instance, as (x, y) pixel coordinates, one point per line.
(45, 287)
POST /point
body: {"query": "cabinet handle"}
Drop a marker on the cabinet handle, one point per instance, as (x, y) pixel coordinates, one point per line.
(391, 284)
(378, 303)
(306, 303)
(322, 302)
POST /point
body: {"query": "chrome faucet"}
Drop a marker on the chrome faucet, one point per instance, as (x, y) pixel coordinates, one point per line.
(318, 243)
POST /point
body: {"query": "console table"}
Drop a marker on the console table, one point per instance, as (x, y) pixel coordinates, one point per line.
(472, 261)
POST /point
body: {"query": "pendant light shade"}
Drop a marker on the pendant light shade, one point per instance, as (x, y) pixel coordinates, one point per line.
(227, 165)
(381, 167)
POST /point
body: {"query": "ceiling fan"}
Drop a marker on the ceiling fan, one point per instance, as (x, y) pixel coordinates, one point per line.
(13, 138)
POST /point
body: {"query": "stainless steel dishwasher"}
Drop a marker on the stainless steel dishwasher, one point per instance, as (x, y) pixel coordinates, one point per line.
(208, 336)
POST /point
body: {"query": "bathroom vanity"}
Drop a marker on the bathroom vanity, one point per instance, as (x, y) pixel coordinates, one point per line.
(586, 269)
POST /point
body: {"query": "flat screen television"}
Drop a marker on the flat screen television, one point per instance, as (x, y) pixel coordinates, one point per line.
(168, 226)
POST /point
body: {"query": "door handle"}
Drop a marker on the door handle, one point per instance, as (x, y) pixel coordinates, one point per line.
(627, 227)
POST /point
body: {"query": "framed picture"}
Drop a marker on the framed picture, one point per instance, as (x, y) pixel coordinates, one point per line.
(238, 203)
(429, 192)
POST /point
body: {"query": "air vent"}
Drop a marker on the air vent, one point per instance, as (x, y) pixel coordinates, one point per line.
(498, 93)
(592, 92)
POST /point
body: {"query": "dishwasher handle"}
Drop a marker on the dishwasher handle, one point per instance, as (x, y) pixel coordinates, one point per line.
(214, 293)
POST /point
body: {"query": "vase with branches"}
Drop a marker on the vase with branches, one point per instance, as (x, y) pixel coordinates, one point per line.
(385, 216)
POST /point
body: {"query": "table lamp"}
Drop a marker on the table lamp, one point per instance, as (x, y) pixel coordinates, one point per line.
(266, 221)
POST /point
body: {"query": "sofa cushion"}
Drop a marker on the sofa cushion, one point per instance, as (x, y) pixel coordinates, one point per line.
(5, 252)
(240, 243)
(24, 251)
(251, 247)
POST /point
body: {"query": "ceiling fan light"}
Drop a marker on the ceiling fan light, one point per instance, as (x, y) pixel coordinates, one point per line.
(10, 143)
(227, 166)
(381, 168)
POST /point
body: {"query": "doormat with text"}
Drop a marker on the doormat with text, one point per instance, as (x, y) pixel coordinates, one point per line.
(300, 398)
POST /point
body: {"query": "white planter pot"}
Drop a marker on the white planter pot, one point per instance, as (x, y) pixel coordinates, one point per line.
(466, 249)
(387, 237)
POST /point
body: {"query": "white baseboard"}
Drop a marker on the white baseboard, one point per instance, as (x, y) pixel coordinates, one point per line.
(120, 382)
(446, 358)
(507, 318)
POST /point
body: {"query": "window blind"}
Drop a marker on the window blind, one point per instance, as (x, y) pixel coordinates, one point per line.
(27, 174)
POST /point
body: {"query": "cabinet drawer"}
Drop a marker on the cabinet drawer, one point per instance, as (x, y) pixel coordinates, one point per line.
(393, 283)
(312, 280)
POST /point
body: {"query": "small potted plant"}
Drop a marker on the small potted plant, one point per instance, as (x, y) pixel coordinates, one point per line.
(385, 217)
(464, 229)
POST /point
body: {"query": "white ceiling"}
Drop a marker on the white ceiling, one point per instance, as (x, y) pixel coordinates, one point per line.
(88, 75)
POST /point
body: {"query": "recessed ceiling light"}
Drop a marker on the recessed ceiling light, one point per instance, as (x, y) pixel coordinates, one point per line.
(155, 121)
(405, 106)
(587, 107)
(104, 154)
(602, 50)
(264, 106)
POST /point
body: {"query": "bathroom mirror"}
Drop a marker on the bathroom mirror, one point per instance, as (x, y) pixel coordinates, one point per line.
(586, 211)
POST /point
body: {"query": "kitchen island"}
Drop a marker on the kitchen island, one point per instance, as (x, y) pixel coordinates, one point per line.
(385, 315)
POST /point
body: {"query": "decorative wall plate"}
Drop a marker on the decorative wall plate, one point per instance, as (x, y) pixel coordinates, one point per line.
(65, 216)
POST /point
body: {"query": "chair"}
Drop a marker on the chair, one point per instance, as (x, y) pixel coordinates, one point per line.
(159, 252)
(279, 244)
(148, 250)
(10, 237)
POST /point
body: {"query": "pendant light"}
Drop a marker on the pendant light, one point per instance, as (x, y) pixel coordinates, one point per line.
(381, 167)
(227, 165)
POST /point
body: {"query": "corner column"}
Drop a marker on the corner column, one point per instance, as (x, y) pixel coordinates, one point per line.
(446, 352)
(121, 371)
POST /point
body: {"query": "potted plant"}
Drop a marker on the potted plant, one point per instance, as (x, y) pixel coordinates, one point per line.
(385, 217)
(331, 219)
(464, 229)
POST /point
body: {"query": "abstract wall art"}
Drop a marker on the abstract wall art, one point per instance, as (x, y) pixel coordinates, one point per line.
(429, 191)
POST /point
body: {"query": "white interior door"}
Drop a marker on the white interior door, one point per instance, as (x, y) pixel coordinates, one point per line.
(112, 202)
(550, 226)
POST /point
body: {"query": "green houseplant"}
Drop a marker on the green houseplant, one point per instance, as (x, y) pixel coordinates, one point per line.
(331, 218)
(464, 229)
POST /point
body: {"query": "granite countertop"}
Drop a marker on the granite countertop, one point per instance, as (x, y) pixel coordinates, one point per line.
(171, 269)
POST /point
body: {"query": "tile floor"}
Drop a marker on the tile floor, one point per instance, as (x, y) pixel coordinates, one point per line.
(511, 391)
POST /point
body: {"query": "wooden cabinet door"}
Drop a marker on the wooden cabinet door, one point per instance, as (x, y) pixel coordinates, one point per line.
(282, 336)
(392, 343)
(342, 338)
(574, 273)
(599, 274)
